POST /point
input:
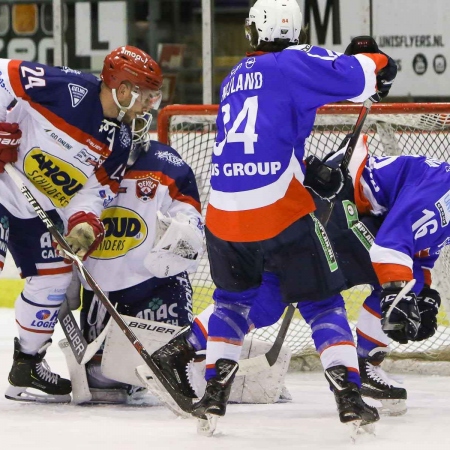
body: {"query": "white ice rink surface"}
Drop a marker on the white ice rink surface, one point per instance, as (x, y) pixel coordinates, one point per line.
(309, 422)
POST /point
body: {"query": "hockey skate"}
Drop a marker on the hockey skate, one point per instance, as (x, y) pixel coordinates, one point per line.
(166, 374)
(172, 360)
(111, 392)
(376, 384)
(352, 409)
(214, 402)
(32, 372)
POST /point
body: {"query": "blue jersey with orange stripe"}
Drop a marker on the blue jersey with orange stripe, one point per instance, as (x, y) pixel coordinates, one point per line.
(267, 111)
(70, 152)
(413, 193)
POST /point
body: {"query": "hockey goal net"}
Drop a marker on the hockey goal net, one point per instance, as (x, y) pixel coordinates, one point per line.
(392, 129)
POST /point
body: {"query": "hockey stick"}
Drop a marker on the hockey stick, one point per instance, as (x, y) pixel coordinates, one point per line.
(82, 351)
(183, 402)
(272, 355)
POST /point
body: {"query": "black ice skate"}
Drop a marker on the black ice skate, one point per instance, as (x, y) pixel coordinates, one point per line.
(352, 409)
(214, 401)
(376, 384)
(172, 360)
(32, 372)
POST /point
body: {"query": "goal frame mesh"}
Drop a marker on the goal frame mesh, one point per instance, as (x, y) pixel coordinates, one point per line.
(413, 119)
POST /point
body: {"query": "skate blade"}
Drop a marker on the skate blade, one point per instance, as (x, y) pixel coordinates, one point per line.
(155, 387)
(207, 426)
(392, 407)
(357, 428)
(23, 394)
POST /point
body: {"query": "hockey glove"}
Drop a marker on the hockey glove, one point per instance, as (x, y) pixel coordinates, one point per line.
(386, 76)
(10, 136)
(324, 180)
(402, 323)
(85, 233)
(428, 302)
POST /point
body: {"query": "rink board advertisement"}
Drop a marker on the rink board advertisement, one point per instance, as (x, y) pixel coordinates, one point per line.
(415, 33)
(91, 31)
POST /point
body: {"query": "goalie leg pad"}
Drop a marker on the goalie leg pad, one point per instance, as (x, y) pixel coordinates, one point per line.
(264, 387)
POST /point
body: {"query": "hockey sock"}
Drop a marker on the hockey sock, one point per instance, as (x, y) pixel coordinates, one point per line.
(332, 334)
(368, 328)
(227, 327)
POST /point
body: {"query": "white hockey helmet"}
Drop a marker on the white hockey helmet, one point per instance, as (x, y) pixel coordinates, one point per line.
(275, 19)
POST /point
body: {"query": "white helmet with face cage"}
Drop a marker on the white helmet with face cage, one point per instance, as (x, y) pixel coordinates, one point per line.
(275, 20)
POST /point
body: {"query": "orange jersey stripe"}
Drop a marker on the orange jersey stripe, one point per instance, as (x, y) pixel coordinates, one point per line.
(392, 272)
(261, 223)
(379, 59)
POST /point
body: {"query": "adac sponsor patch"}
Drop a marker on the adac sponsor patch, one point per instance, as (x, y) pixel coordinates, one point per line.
(124, 230)
(146, 188)
(54, 177)
(443, 206)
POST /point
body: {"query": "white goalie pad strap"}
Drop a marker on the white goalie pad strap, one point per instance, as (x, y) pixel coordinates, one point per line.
(120, 359)
(178, 246)
(263, 387)
(77, 373)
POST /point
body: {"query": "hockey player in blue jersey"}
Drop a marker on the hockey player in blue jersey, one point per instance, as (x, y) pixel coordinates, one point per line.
(69, 135)
(260, 214)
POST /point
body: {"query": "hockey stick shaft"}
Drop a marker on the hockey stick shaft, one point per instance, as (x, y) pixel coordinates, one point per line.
(325, 217)
(273, 353)
(13, 173)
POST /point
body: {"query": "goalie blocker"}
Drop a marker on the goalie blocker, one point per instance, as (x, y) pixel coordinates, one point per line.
(119, 363)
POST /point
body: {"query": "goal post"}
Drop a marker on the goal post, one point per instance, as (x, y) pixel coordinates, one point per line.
(392, 129)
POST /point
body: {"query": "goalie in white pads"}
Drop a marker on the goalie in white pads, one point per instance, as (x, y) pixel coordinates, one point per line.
(153, 237)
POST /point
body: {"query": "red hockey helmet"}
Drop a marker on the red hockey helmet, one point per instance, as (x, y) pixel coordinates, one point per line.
(131, 64)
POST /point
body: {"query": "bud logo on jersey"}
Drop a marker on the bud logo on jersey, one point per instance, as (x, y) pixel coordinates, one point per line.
(124, 230)
(43, 314)
(146, 188)
(77, 93)
(54, 177)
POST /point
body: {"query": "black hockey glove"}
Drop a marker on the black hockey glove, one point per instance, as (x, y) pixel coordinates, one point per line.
(386, 76)
(428, 302)
(324, 180)
(402, 323)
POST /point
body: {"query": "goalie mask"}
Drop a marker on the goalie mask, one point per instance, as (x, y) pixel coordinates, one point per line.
(140, 132)
(274, 20)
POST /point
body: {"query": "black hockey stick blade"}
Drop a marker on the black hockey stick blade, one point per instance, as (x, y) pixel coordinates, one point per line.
(274, 351)
(185, 403)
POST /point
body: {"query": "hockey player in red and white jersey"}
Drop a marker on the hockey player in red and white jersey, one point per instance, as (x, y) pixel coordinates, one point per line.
(69, 135)
(260, 215)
